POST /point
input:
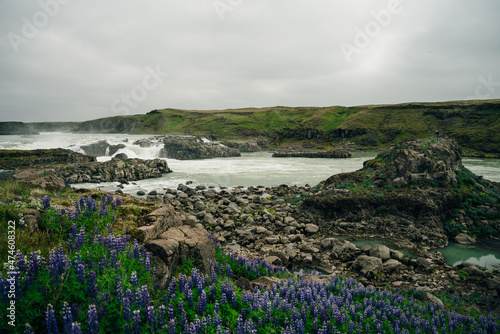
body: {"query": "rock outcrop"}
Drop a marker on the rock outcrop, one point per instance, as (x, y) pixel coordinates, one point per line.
(10, 159)
(411, 192)
(190, 148)
(248, 146)
(57, 167)
(184, 243)
(114, 170)
(333, 154)
(101, 148)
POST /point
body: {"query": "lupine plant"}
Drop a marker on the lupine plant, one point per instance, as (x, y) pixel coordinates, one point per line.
(100, 282)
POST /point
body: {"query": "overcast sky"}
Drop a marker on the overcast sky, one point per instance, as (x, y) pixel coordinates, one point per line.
(71, 60)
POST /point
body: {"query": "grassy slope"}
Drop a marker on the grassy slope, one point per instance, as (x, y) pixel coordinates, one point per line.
(475, 124)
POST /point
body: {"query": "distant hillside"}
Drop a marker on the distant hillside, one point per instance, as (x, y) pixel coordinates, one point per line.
(474, 124)
(16, 128)
(55, 126)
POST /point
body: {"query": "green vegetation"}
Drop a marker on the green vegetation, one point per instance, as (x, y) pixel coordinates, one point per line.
(474, 124)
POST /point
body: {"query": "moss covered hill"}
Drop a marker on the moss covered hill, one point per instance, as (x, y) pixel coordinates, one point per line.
(474, 124)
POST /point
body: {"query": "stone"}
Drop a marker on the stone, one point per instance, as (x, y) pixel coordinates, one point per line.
(311, 228)
(307, 248)
(339, 246)
(380, 251)
(189, 148)
(435, 300)
(264, 282)
(272, 240)
(465, 239)
(397, 255)
(296, 237)
(274, 260)
(392, 265)
(368, 266)
(260, 230)
(192, 244)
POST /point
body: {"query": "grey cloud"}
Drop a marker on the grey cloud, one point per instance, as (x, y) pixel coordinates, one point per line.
(263, 53)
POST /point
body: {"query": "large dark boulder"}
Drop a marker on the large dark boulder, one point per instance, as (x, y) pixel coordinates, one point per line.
(190, 148)
(184, 243)
(101, 148)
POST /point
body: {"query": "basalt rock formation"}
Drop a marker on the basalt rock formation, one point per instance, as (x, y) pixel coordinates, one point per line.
(189, 148)
(57, 167)
(10, 159)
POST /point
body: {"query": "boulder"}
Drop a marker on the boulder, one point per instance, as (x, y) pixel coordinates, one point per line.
(264, 282)
(368, 266)
(311, 228)
(392, 265)
(274, 260)
(465, 239)
(184, 242)
(380, 251)
(189, 148)
(338, 246)
(161, 219)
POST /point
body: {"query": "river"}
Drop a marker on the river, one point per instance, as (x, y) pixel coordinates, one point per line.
(251, 169)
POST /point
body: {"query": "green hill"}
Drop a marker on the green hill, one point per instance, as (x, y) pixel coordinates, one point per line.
(474, 124)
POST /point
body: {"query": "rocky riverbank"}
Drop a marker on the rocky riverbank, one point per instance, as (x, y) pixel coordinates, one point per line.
(55, 168)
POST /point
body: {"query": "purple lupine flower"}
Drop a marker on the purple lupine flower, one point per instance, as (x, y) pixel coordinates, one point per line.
(109, 199)
(50, 320)
(161, 317)
(190, 297)
(171, 312)
(46, 202)
(82, 202)
(92, 284)
(147, 262)
(202, 303)
(28, 329)
(133, 279)
(88, 202)
(137, 322)
(171, 327)
(126, 313)
(144, 296)
(80, 238)
(67, 318)
(93, 326)
(80, 271)
(181, 311)
(77, 206)
(151, 319)
(118, 201)
(75, 328)
(229, 271)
